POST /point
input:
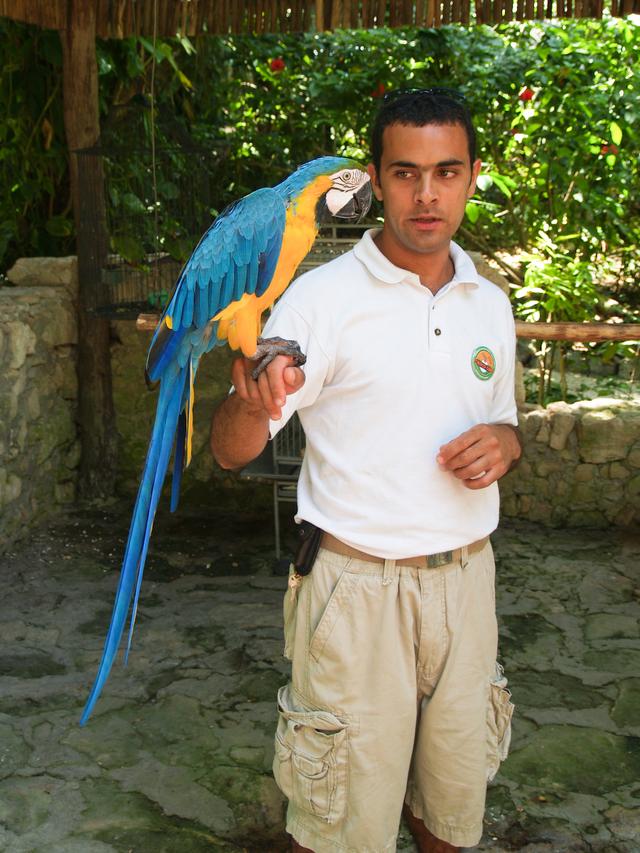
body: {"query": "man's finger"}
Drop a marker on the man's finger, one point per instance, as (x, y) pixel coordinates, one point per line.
(267, 397)
(284, 379)
(293, 379)
(461, 460)
(239, 379)
(275, 379)
(473, 469)
(457, 445)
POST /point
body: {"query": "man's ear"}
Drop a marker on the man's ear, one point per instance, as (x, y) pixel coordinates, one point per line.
(375, 183)
(475, 171)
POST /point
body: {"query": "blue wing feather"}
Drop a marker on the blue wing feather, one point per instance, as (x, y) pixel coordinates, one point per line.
(251, 227)
(241, 279)
(202, 315)
(214, 296)
(187, 311)
(226, 294)
(267, 269)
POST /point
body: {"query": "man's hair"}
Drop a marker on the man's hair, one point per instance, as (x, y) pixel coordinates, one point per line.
(419, 107)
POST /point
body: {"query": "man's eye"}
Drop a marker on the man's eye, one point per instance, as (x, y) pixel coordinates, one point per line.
(402, 173)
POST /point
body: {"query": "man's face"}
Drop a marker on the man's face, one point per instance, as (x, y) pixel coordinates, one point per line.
(425, 181)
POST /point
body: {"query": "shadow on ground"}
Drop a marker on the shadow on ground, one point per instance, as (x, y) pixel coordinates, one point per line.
(177, 754)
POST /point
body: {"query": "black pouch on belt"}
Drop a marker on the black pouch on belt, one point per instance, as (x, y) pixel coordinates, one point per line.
(309, 538)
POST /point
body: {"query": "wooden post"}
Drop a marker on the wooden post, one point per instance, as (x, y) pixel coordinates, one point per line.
(96, 416)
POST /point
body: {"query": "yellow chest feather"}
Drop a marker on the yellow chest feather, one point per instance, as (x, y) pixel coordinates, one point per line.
(240, 322)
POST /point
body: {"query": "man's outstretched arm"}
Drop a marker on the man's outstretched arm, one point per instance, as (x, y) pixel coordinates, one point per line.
(240, 424)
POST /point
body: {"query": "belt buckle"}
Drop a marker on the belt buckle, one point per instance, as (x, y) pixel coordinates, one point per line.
(435, 561)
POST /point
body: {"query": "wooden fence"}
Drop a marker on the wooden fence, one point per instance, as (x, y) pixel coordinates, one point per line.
(124, 18)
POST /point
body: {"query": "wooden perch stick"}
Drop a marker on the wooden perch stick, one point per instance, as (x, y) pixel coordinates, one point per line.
(587, 332)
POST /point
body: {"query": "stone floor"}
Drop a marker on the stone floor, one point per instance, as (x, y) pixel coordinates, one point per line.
(177, 754)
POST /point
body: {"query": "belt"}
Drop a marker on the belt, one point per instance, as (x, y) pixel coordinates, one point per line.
(426, 561)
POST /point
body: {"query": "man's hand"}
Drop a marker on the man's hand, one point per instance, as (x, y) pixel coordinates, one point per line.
(269, 391)
(482, 454)
(240, 424)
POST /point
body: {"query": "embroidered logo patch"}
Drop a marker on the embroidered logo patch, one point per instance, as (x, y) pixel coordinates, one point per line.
(483, 363)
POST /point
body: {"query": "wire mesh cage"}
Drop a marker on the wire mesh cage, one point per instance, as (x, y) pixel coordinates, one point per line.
(143, 213)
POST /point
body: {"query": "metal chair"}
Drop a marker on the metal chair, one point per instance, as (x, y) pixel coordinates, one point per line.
(280, 463)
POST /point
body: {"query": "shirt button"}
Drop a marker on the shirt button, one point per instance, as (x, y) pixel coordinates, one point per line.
(438, 332)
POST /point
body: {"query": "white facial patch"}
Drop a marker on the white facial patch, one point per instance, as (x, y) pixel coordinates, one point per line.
(346, 184)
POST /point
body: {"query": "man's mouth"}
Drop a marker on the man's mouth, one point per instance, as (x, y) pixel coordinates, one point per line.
(426, 222)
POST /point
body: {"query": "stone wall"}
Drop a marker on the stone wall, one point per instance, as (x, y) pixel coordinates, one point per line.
(39, 451)
(581, 465)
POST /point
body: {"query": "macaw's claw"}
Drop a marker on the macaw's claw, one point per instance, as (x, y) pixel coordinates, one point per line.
(269, 348)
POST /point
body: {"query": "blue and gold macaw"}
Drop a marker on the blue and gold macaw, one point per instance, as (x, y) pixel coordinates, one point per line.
(242, 264)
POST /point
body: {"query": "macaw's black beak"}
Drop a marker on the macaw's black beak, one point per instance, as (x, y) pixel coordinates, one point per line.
(358, 205)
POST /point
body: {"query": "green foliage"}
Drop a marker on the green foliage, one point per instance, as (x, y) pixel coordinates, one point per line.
(35, 208)
(571, 148)
(557, 286)
(556, 104)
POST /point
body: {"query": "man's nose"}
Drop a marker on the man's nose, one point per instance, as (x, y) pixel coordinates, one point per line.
(425, 190)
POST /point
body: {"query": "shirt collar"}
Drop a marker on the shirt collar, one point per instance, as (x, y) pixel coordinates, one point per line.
(381, 267)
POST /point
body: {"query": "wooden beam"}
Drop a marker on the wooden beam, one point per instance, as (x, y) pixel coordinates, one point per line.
(585, 332)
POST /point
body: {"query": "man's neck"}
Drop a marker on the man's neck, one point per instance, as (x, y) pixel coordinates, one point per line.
(434, 269)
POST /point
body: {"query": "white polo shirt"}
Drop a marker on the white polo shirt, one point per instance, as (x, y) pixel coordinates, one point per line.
(394, 372)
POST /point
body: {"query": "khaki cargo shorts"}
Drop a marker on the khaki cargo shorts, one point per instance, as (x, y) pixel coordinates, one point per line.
(395, 696)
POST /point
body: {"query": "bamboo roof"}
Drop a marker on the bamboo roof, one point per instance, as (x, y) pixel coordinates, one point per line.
(123, 18)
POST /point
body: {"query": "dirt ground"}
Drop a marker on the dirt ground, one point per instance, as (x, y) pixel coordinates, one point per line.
(177, 754)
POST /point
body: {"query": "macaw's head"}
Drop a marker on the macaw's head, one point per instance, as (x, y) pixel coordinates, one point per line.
(342, 188)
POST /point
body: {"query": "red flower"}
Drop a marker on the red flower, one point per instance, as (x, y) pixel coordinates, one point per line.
(526, 94)
(609, 149)
(277, 65)
(379, 91)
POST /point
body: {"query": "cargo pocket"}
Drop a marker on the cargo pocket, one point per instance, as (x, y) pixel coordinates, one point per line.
(499, 713)
(310, 764)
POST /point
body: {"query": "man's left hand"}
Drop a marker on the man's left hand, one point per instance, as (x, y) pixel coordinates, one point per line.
(482, 454)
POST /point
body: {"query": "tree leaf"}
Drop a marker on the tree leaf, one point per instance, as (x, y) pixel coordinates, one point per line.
(616, 132)
(59, 226)
(473, 211)
(129, 249)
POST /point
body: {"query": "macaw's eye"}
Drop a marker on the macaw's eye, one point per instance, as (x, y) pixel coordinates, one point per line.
(347, 179)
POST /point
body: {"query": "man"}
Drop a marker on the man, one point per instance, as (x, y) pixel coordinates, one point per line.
(407, 401)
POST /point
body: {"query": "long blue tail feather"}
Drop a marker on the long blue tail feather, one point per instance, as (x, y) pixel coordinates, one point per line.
(178, 460)
(161, 470)
(155, 468)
